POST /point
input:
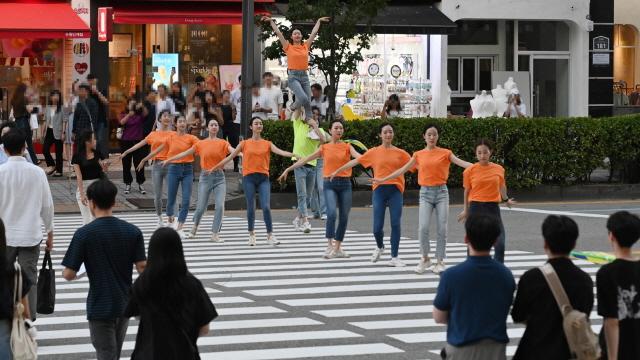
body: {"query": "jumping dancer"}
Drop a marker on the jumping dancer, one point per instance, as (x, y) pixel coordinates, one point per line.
(384, 159)
(158, 172)
(433, 164)
(484, 189)
(256, 154)
(211, 151)
(298, 63)
(337, 190)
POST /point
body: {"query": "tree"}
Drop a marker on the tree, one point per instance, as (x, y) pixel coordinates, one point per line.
(340, 42)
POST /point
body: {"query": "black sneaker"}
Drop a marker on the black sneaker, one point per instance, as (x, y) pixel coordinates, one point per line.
(141, 189)
(127, 188)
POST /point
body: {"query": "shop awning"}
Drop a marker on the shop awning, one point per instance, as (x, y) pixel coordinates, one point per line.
(41, 20)
(227, 13)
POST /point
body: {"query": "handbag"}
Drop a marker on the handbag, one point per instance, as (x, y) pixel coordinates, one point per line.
(46, 286)
(23, 346)
(119, 132)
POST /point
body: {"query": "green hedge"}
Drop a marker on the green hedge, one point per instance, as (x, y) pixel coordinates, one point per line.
(533, 151)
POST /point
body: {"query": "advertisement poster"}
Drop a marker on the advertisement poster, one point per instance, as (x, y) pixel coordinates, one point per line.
(165, 69)
(210, 74)
(229, 75)
(209, 44)
(81, 55)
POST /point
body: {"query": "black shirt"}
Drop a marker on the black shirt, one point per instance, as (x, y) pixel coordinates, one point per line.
(227, 115)
(85, 116)
(534, 304)
(150, 119)
(618, 297)
(6, 291)
(109, 247)
(102, 110)
(171, 333)
(90, 169)
(179, 102)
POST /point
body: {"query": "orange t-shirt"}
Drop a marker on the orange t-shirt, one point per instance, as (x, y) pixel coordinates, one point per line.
(157, 138)
(297, 56)
(211, 152)
(256, 155)
(484, 182)
(384, 161)
(433, 166)
(334, 156)
(179, 144)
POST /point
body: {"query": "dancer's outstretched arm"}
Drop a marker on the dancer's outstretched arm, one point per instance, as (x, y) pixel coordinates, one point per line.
(274, 26)
(316, 28)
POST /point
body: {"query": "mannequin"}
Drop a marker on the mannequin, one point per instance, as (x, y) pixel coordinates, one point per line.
(509, 85)
(488, 105)
(475, 107)
(501, 99)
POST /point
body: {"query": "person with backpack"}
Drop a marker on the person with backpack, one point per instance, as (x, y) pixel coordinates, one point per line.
(535, 304)
(618, 284)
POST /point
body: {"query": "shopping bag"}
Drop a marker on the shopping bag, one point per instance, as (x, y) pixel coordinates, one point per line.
(23, 346)
(46, 286)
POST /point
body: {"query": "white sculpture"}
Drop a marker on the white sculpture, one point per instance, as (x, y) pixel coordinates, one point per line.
(448, 94)
(509, 85)
(488, 107)
(501, 99)
(475, 106)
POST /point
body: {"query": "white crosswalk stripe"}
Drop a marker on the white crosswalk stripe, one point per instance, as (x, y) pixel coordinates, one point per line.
(287, 302)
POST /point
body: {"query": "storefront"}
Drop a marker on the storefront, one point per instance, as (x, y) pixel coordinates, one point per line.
(626, 55)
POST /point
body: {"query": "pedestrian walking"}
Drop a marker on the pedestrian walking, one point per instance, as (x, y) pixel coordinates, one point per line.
(211, 151)
(536, 307)
(337, 190)
(4, 128)
(53, 133)
(173, 307)
(68, 138)
(617, 285)
(298, 63)
(27, 206)
(108, 248)
(179, 173)
(433, 165)
(132, 122)
(256, 155)
(101, 100)
(89, 166)
(384, 159)
(158, 172)
(85, 115)
(474, 297)
(484, 189)
(21, 111)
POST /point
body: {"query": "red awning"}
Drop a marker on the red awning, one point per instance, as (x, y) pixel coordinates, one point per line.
(41, 20)
(172, 13)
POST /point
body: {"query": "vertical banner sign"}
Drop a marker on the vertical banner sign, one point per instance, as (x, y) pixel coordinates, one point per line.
(81, 47)
(105, 24)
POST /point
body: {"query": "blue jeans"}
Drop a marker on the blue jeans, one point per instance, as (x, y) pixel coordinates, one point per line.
(433, 198)
(387, 196)
(158, 174)
(305, 184)
(301, 88)
(260, 183)
(491, 208)
(5, 339)
(214, 182)
(179, 174)
(318, 201)
(338, 197)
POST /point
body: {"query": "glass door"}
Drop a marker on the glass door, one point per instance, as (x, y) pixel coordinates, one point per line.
(550, 86)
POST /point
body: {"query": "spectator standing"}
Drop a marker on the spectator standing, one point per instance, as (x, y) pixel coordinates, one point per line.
(3, 155)
(198, 90)
(273, 95)
(85, 116)
(474, 297)
(259, 103)
(68, 138)
(212, 111)
(55, 119)
(235, 98)
(318, 100)
(230, 130)
(21, 113)
(535, 304)
(101, 129)
(163, 102)
(516, 107)
(132, 120)
(177, 96)
(27, 205)
(196, 116)
(89, 167)
(108, 247)
(618, 284)
(150, 119)
(392, 107)
(173, 306)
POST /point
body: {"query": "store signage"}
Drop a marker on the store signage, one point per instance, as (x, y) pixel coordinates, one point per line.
(105, 24)
(601, 59)
(601, 43)
(81, 50)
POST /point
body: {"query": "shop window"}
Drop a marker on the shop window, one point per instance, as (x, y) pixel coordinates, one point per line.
(475, 33)
(543, 36)
(469, 74)
(485, 67)
(625, 40)
(453, 74)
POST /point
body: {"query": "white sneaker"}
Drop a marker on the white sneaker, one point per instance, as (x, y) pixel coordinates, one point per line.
(323, 217)
(296, 224)
(396, 262)
(376, 255)
(306, 227)
(252, 240)
(161, 223)
(423, 265)
(216, 238)
(272, 240)
(440, 267)
(328, 251)
(339, 254)
(182, 234)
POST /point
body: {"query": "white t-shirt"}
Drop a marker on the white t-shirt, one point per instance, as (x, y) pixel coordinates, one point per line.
(273, 97)
(166, 104)
(263, 102)
(320, 104)
(235, 100)
(512, 110)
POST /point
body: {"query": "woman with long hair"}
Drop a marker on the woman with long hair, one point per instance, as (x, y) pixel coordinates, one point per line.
(392, 107)
(158, 172)
(433, 164)
(298, 63)
(230, 130)
(180, 172)
(55, 127)
(256, 154)
(383, 160)
(484, 189)
(173, 306)
(132, 121)
(68, 138)
(211, 151)
(337, 190)
(21, 113)
(178, 97)
(89, 165)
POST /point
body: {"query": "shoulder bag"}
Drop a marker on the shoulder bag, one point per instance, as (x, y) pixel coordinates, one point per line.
(23, 346)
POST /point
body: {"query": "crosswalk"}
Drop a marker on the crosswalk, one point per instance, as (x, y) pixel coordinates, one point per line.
(287, 302)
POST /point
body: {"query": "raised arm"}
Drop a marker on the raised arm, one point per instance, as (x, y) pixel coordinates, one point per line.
(298, 164)
(406, 167)
(463, 164)
(276, 150)
(188, 152)
(274, 26)
(315, 30)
